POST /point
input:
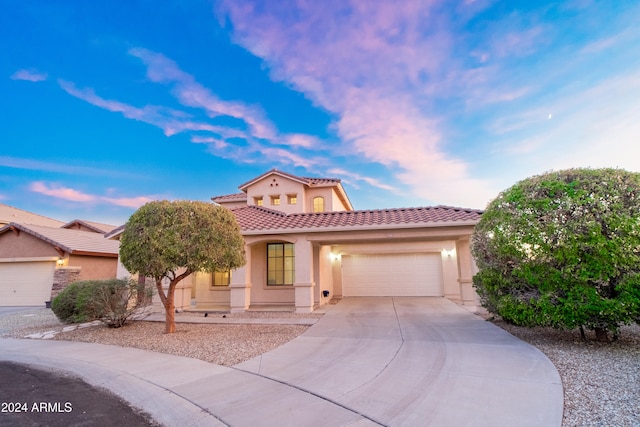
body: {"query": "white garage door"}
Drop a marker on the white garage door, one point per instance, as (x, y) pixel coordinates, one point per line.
(26, 283)
(416, 274)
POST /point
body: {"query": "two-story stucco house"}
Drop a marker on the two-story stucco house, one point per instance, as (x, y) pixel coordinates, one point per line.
(305, 245)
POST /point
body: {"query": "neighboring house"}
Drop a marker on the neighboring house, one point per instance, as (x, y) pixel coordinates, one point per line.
(36, 261)
(94, 227)
(305, 244)
(10, 214)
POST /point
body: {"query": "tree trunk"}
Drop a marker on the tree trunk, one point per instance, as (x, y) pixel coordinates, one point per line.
(170, 310)
(602, 335)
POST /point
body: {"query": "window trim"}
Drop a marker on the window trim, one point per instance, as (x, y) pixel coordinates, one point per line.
(212, 281)
(258, 201)
(275, 200)
(292, 199)
(284, 261)
(313, 203)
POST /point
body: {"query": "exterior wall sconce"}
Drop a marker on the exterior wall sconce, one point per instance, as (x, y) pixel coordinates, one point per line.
(448, 253)
(334, 257)
(60, 262)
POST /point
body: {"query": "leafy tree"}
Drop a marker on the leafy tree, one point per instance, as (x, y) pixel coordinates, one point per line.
(563, 249)
(171, 240)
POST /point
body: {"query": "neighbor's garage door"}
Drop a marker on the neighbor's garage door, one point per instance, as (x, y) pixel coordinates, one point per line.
(417, 274)
(25, 283)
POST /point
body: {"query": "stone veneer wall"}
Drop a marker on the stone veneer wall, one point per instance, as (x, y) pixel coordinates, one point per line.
(63, 277)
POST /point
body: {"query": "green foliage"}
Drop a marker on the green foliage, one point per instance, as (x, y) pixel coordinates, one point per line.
(162, 237)
(64, 304)
(113, 301)
(175, 239)
(563, 249)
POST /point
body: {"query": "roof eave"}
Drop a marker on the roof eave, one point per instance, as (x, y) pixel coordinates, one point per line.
(380, 227)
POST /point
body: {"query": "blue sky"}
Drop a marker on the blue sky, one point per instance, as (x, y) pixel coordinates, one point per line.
(107, 105)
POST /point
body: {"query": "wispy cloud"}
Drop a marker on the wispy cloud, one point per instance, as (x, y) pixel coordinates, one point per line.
(353, 179)
(30, 75)
(161, 69)
(400, 76)
(247, 141)
(73, 195)
(66, 167)
(60, 192)
(369, 62)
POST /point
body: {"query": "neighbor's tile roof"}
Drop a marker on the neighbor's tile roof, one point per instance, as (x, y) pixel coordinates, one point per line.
(238, 197)
(95, 226)
(10, 214)
(254, 218)
(71, 241)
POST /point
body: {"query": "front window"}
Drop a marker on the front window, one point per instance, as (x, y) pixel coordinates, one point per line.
(221, 278)
(275, 200)
(280, 264)
(318, 204)
(292, 199)
(258, 201)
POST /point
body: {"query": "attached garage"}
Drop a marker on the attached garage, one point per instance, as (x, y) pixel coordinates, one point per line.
(26, 283)
(402, 274)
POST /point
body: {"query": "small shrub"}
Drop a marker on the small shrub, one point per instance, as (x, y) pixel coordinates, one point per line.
(112, 301)
(64, 305)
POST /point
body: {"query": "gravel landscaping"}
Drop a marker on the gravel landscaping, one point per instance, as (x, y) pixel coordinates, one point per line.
(601, 381)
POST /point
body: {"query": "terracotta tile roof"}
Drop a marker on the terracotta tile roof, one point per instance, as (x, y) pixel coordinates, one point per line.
(254, 219)
(238, 197)
(70, 241)
(304, 180)
(95, 226)
(320, 181)
(10, 214)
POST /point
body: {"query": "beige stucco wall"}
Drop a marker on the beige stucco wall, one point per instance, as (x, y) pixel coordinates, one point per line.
(208, 296)
(94, 267)
(24, 245)
(327, 194)
(318, 263)
(275, 185)
(260, 292)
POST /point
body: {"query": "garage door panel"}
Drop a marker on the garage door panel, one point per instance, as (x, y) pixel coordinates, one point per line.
(416, 274)
(25, 283)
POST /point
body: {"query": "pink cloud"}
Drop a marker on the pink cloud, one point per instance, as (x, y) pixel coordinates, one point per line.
(128, 202)
(73, 195)
(60, 192)
(370, 63)
(29, 75)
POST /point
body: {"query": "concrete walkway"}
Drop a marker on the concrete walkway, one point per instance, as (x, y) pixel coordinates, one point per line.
(368, 361)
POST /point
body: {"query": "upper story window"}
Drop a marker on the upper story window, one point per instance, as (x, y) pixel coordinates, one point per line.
(292, 199)
(258, 201)
(275, 200)
(280, 264)
(221, 278)
(318, 204)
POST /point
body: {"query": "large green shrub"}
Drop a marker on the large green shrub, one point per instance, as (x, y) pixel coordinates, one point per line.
(113, 301)
(563, 250)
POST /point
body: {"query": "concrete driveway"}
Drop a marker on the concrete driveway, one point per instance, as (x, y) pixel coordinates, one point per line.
(418, 361)
(367, 361)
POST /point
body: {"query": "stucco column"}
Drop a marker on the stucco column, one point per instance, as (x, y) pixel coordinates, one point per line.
(466, 270)
(240, 286)
(304, 277)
